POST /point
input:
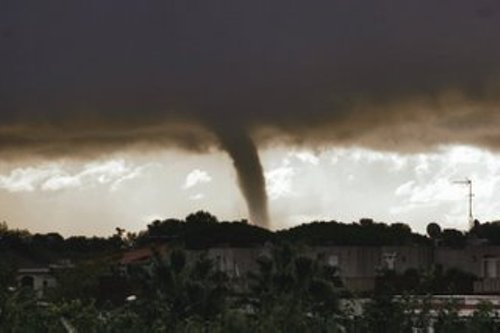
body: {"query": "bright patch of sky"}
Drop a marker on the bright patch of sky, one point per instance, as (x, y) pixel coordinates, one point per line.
(53, 177)
(349, 184)
(196, 177)
(279, 182)
(197, 196)
(334, 184)
(307, 157)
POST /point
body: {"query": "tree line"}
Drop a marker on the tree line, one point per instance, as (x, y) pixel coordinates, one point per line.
(203, 230)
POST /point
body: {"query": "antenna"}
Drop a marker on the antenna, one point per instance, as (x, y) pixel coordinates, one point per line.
(468, 182)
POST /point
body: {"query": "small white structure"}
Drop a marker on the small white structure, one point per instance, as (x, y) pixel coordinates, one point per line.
(38, 279)
(41, 277)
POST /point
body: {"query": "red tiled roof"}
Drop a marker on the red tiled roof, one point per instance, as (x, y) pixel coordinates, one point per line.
(141, 254)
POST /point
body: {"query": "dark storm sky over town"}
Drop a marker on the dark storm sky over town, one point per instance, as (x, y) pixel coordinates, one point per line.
(80, 79)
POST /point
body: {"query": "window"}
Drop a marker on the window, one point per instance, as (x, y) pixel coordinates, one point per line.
(389, 260)
(27, 281)
(333, 260)
(490, 267)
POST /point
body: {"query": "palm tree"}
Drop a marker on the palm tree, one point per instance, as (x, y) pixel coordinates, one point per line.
(295, 293)
(172, 290)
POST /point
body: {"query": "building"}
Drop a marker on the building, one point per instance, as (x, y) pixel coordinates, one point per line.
(40, 277)
(482, 261)
(359, 266)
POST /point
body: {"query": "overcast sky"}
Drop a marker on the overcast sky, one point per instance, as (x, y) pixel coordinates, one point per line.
(114, 112)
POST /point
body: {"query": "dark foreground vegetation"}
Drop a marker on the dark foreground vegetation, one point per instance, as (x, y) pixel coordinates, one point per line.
(288, 292)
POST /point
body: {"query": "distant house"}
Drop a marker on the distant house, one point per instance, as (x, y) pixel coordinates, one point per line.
(359, 266)
(141, 257)
(236, 262)
(483, 261)
(39, 276)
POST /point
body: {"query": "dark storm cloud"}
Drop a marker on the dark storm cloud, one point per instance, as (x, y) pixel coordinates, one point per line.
(283, 64)
(97, 74)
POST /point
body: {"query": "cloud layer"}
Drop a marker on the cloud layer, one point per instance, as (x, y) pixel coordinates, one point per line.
(106, 74)
(56, 177)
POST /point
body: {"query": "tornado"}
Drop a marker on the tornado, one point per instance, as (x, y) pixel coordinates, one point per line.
(240, 147)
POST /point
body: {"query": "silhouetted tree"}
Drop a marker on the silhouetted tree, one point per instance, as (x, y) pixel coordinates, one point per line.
(173, 290)
(293, 293)
(453, 238)
(201, 217)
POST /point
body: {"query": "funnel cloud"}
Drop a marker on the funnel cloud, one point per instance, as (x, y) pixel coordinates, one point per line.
(86, 78)
(242, 150)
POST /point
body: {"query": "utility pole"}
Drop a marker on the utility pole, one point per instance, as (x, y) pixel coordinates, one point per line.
(468, 182)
